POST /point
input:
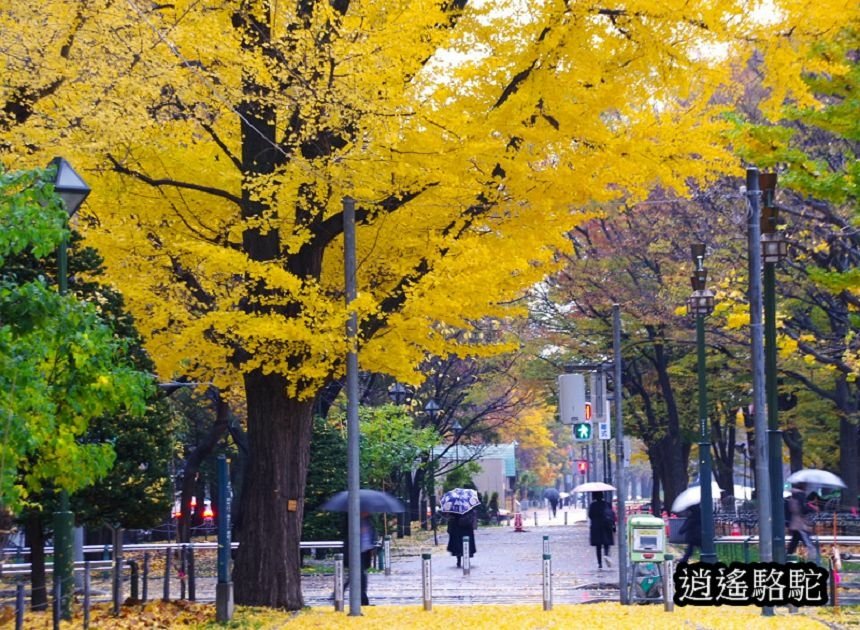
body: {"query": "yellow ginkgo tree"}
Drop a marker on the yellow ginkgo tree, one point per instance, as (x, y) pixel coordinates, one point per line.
(221, 138)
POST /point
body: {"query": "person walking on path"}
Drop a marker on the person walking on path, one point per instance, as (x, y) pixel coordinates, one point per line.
(691, 531)
(601, 527)
(460, 525)
(799, 524)
(367, 542)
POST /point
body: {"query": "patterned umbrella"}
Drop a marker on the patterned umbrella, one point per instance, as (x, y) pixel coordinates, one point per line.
(459, 500)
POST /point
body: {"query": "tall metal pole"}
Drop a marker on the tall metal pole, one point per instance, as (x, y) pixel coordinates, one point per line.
(352, 425)
(224, 586)
(709, 554)
(63, 518)
(620, 478)
(774, 434)
(763, 489)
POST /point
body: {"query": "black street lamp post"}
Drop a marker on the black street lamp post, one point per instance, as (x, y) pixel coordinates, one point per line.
(773, 250)
(73, 191)
(701, 304)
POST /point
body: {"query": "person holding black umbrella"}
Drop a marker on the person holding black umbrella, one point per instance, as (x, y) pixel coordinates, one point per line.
(601, 528)
(367, 539)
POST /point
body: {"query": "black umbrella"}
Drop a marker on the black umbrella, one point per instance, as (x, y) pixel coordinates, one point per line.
(551, 493)
(368, 501)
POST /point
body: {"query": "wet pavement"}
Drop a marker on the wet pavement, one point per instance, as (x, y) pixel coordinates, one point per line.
(507, 568)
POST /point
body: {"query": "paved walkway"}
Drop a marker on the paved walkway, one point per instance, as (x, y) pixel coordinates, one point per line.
(508, 568)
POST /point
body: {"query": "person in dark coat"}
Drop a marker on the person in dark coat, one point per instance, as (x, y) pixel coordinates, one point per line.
(691, 532)
(601, 528)
(553, 503)
(799, 521)
(367, 539)
(460, 525)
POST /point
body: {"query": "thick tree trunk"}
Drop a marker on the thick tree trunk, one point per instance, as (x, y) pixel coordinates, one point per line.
(673, 468)
(848, 447)
(655, 460)
(268, 561)
(793, 439)
(33, 530)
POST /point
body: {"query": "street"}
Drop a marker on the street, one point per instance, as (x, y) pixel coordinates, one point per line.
(507, 568)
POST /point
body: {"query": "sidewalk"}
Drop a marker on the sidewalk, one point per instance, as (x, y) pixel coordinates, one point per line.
(507, 569)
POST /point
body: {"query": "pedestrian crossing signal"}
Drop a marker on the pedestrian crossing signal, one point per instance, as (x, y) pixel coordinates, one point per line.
(582, 466)
(582, 431)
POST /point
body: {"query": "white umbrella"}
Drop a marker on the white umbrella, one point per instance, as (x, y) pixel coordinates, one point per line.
(593, 486)
(693, 496)
(743, 492)
(816, 477)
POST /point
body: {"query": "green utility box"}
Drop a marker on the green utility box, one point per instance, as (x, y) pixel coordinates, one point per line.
(646, 546)
(646, 538)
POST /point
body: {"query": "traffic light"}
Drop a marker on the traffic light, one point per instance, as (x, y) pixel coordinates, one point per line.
(582, 431)
(588, 411)
(582, 466)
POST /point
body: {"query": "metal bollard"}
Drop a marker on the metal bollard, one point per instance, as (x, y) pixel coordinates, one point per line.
(183, 570)
(426, 581)
(19, 605)
(834, 600)
(467, 556)
(86, 594)
(134, 578)
(58, 595)
(536, 519)
(565, 517)
(145, 596)
(192, 576)
(338, 582)
(386, 546)
(668, 582)
(547, 582)
(545, 544)
(168, 560)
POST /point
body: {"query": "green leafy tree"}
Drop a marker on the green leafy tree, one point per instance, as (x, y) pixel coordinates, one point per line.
(326, 476)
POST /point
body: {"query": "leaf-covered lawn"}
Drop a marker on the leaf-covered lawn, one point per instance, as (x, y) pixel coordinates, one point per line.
(178, 614)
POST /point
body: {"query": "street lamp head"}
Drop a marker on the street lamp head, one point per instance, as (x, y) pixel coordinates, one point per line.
(700, 304)
(457, 427)
(69, 185)
(398, 393)
(432, 409)
(773, 248)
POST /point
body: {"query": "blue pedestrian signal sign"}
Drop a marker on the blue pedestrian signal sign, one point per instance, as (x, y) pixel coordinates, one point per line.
(582, 431)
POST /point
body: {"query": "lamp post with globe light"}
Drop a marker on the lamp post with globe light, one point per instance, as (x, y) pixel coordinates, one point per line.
(73, 191)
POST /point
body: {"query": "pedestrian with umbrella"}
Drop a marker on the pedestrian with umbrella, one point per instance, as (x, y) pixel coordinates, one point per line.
(552, 495)
(691, 531)
(601, 528)
(368, 501)
(460, 504)
(799, 508)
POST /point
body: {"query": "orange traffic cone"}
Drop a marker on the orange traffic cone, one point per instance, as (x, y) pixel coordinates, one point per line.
(518, 522)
